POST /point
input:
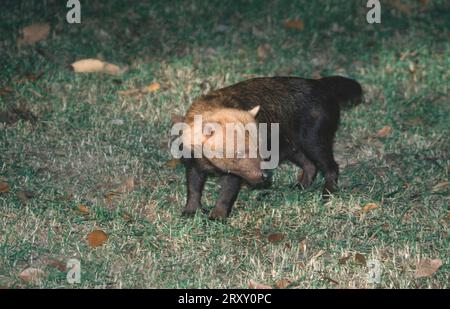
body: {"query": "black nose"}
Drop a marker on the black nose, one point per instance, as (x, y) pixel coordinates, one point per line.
(264, 176)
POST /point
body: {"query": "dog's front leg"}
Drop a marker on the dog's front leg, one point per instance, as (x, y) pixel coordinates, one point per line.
(195, 179)
(229, 190)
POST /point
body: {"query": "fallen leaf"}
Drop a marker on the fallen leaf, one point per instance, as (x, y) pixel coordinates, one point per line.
(83, 209)
(295, 24)
(254, 285)
(172, 163)
(283, 283)
(370, 206)
(4, 187)
(32, 274)
(344, 259)
(95, 65)
(56, 264)
(360, 259)
(424, 2)
(97, 238)
(154, 87)
(275, 237)
(34, 33)
(264, 51)
(427, 267)
(384, 132)
(439, 187)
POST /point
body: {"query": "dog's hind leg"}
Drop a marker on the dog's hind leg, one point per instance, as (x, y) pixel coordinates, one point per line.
(309, 169)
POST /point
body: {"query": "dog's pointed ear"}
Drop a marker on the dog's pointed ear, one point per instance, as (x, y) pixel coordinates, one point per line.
(254, 111)
(177, 118)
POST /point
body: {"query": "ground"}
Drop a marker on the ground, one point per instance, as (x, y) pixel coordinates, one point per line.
(81, 152)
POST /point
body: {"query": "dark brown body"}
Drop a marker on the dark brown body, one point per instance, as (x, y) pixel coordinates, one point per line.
(308, 115)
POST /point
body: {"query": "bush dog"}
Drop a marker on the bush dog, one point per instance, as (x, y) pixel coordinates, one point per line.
(307, 112)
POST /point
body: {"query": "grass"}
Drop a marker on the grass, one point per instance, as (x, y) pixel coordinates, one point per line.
(88, 140)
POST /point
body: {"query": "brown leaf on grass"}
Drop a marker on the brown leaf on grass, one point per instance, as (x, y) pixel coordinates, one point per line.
(360, 259)
(369, 207)
(56, 264)
(283, 283)
(32, 275)
(275, 237)
(83, 209)
(95, 65)
(442, 186)
(424, 2)
(97, 238)
(295, 24)
(384, 132)
(264, 51)
(34, 33)
(153, 87)
(254, 285)
(427, 267)
(172, 163)
(344, 259)
(4, 187)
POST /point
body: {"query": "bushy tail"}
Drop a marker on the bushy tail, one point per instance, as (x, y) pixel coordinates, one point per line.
(345, 91)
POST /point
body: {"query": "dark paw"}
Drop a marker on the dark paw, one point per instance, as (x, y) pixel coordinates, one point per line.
(218, 214)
